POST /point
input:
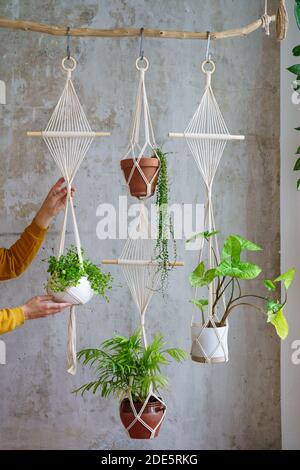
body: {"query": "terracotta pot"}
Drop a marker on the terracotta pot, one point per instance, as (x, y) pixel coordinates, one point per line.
(77, 295)
(152, 415)
(206, 340)
(137, 185)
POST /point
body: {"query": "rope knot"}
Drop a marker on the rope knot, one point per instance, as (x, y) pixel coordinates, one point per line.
(266, 21)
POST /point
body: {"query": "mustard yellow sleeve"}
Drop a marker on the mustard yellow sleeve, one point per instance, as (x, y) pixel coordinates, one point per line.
(10, 318)
(16, 259)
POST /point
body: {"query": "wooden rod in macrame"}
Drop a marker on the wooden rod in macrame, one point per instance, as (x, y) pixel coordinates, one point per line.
(140, 262)
(67, 134)
(131, 32)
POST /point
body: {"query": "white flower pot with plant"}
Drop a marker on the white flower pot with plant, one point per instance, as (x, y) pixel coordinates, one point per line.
(128, 371)
(223, 282)
(75, 282)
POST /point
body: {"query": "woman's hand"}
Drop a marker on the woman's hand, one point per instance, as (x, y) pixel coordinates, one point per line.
(53, 204)
(42, 306)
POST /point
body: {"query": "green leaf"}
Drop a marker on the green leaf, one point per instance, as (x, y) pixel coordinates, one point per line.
(232, 249)
(272, 308)
(298, 185)
(269, 285)
(297, 165)
(287, 277)
(205, 235)
(298, 151)
(241, 270)
(296, 51)
(246, 245)
(197, 275)
(200, 303)
(297, 128)
(280, 324)
(295, 69)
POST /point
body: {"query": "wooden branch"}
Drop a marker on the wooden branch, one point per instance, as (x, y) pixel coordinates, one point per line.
(129, 32)
(67, 134)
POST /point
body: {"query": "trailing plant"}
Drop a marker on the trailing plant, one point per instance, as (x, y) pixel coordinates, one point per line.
(123, 365)
(165, 223)
(66, 271)
(295, 69)
(226, 276)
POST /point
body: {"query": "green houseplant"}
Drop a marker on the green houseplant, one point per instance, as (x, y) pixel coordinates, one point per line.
(124, 367)
(226, 277)
(165, 223)
(67, 275)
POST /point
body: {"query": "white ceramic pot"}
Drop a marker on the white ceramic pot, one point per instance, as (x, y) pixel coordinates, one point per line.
(80, 294)
(209, 345)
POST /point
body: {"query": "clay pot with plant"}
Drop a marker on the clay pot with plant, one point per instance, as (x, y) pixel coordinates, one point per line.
(76, 282)
(141, 174)
(226, 277)
(129, 372)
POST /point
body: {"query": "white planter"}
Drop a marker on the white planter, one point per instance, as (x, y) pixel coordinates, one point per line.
(209, 345)
(80, 294)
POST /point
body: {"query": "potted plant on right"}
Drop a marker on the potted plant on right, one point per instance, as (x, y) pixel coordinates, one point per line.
(132, 373)
(209, 337)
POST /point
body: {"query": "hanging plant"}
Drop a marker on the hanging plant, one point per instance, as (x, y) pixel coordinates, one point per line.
(295, 69)
(228, 273)
(165, 223)
(66, 272)
(123, 369)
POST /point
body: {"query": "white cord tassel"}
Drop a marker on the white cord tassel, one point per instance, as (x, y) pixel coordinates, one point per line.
(266, 19)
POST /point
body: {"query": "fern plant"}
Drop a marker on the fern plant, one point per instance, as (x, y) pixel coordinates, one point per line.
(123, 365)
(66, 271)
(165, 224)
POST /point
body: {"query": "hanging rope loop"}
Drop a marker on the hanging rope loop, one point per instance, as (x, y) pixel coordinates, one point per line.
(211, 66)
(71, 67)
(142, 60)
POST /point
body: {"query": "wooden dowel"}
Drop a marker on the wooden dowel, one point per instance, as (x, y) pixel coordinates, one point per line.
(129, 32)
(187, 135)
(67, 134)
(140, 262)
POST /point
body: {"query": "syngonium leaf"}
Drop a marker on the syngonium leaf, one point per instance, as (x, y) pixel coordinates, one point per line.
(235, 244)
(201, 304)
(205, 235)
(273, 306)
(240, 270)
(298, 185)
(269, 285)
(200, 277)
(278, 320)
(287, 278)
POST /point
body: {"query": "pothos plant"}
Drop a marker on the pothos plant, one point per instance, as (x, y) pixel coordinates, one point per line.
(66, 271)
(295, 69)
(226, 279)
(122, 365)
(165, 224)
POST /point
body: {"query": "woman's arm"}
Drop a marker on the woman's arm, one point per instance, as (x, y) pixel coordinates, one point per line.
(16, 259)
(38, 307)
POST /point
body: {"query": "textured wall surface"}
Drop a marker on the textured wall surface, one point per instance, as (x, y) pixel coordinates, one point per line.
(232, 406)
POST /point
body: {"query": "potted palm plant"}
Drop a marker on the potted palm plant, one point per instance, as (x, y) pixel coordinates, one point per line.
(128, 371)
(209, 337)
(76, 282)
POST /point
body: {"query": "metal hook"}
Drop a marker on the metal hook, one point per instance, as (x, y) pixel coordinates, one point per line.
(208, 55)
(68, 43)
(141, 44)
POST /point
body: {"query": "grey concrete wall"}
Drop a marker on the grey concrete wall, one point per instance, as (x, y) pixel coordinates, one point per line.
(233, 406)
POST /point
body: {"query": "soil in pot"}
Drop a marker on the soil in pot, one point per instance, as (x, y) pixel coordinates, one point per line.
(137, 185)
(152, 415)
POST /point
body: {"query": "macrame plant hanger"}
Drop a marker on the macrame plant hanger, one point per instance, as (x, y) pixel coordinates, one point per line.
(206, 136)
(68, 137)
(137, 259)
